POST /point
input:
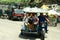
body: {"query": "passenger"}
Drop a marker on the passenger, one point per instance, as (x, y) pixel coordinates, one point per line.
(26, 17)
(42, 18)
(35, 21)
(47, 16)
(25, 20)
(56, 16)
(55, 20)
(30, 20)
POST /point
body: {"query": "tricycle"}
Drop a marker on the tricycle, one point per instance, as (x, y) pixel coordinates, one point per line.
(30, 28)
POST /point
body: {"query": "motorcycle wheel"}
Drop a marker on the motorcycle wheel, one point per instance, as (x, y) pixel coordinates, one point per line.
(42, 36)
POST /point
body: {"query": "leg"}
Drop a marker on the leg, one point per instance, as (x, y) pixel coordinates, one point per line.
(46, 27)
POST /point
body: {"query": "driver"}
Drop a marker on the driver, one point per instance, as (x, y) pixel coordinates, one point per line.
(42, 19)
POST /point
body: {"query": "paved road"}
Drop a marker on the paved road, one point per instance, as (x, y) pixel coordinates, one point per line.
(10, 30)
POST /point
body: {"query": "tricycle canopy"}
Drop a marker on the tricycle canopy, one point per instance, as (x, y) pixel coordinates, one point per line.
(34, 10)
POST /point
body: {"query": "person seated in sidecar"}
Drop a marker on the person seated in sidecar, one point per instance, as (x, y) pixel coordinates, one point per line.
(35, 21)
(29, 24)
(32, 22)
(26, 17)
(25, 20)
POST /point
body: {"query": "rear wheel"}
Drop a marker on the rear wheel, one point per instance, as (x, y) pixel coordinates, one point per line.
(22, 33)
(21, 18)
(12, 18)
(42, 35)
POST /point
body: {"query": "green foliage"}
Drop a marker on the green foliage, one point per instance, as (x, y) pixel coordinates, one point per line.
(53, 1)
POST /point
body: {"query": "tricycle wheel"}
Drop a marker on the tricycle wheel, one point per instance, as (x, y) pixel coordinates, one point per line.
(42, 36)
(22, 33)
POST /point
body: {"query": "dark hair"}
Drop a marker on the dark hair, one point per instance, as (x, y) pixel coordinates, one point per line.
(18, 6)
(46, 13)
(41, 14)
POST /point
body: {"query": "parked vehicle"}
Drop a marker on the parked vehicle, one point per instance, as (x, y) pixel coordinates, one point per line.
(4, 15)
(17, 14)
(0, 12)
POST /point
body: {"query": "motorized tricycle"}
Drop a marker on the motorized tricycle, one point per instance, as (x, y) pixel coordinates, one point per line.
(31, 29)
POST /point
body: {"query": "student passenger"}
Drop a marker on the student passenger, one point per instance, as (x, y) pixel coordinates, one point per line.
(35, 21)
(47, 16)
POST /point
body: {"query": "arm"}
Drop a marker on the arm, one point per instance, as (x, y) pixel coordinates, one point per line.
(24, 18)
(47, 20)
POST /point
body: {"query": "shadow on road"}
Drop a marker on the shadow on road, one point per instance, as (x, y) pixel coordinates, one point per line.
(29, 36)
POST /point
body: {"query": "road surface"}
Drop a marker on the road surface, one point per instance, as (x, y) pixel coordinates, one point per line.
(10, 30)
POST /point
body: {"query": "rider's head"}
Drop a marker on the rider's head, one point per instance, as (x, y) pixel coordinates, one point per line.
(34, 15)
(41, 14)
(18, 6)
(46, 13)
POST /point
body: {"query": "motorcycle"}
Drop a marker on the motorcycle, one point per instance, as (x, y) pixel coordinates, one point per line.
(42, 31)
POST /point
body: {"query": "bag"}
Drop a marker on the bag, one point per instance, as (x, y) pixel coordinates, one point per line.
(29, 26)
